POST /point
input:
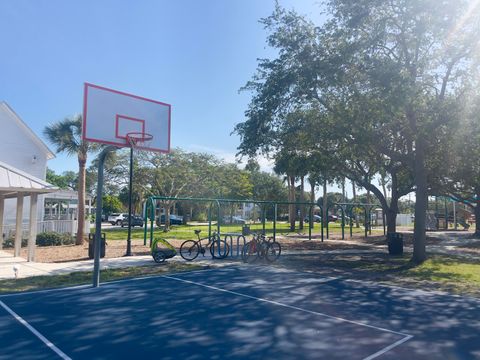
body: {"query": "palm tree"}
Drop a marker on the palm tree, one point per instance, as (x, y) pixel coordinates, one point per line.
(66, 135)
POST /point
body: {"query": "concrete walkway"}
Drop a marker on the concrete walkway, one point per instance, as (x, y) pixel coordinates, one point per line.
(26, 269)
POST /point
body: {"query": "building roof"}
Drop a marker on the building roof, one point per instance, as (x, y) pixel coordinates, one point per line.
(13, 181)
(27, 130)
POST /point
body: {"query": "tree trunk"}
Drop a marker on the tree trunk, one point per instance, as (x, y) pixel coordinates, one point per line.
(302, 207)
(391, 218)
(167, 217)
(392, 210)
(81, 201)
(421, 203)
(291, 206)
(384, 188)
(354, 190)
(344, 200)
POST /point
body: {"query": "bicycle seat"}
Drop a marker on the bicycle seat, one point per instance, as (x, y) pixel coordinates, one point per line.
(197, 232)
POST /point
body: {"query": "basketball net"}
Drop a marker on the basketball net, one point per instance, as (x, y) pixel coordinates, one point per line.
(139, 141)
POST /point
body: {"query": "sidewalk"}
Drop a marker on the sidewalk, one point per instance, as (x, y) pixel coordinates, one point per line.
(26, 269)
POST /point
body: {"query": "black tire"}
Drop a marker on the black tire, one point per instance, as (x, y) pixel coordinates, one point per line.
(189, 250)
(273, 251)
(119, 222)
(159, 256)
(219, 249)
(250, 252)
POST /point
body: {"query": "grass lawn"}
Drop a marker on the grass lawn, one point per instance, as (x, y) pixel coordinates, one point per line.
(82, 278)
(186, 232)
(448, 273)
(439, 272)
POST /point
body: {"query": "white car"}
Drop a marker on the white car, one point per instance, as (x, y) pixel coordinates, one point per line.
(116, 218)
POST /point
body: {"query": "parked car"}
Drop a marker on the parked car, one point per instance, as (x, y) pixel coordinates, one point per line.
(116, 218)
(316, 218)
(234, 220)
(136, 221)
(332, 218)
(174, 219)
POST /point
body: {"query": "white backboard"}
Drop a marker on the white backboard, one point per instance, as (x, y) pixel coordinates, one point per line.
(109, 115)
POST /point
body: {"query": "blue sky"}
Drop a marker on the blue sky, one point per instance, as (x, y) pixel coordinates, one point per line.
(192, 54)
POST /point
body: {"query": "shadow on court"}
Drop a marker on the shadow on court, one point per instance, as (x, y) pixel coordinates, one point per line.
(245, 312)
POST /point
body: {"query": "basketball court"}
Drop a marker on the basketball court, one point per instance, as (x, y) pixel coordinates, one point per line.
(243, 312)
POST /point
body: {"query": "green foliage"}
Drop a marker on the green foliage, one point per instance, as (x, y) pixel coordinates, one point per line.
(67, 180)
(54, 239)
(10, 242)
(386, 82)
(111, 204)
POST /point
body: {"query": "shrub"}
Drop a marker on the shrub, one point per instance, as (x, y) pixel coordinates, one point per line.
(10, 242)
(54, 239)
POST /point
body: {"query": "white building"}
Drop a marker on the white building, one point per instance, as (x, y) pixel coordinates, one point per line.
(22, 150)
(23, 167)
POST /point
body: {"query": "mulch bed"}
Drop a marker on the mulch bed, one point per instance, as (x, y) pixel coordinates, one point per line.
(297, 242)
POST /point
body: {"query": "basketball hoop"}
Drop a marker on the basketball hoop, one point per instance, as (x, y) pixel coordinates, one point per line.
(139, 140)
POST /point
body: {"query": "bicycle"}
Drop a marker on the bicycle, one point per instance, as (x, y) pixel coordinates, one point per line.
(190, 249)
(261, 247)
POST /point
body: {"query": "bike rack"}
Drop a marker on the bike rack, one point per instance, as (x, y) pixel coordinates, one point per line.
(239, 244)
(214, 211)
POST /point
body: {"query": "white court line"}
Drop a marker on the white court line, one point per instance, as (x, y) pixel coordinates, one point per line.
(35, 332)
(370, 357)
(389, 347)
(89, 287)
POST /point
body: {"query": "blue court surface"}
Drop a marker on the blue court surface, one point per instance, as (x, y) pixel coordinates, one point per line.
(245, 312)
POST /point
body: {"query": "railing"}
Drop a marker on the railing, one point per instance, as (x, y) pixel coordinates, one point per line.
(60, 226)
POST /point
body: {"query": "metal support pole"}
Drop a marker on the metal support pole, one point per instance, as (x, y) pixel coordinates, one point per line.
(446, 213)
(366, 224)
(130, 189)
(210, 220)
(145, 220)
(310, 222)
(370, 220)
(264, 210)
(455, 216)
(275, 222)
(343, 222)
(98, 216)
(351, 222)
(384, 221)
(218, 217)
(321, 222)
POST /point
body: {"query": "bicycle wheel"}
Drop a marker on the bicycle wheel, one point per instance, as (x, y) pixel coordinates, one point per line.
(189, 250)
(273, 251)
(159, 256)
(219, 249)
(249, 252)
(245, 251)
